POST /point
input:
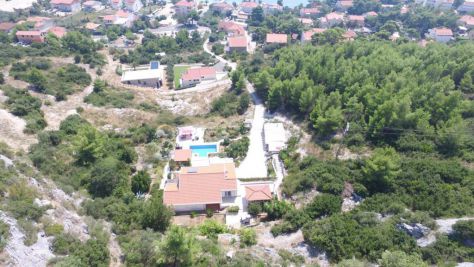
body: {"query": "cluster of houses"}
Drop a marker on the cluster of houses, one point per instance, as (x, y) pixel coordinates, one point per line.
(40, 27)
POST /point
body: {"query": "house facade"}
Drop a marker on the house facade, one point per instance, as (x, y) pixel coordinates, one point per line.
(466, 7)
(28, 37)
(307, 36)
(221, 7)
(194, 76)
(66, 5)
(231, 28)
(271, 9)
(121, 18)
(116, 4)
(184, 7)
(144, 76)
(92, 6)
(442, 35)
(238, 44)
(331, 20)
(343, 5)
(309, 12)
(133, 5)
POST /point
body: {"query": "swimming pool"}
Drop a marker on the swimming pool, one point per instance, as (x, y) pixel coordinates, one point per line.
(203, 150)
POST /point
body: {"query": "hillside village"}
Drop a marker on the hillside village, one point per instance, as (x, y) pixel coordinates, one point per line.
(211, 133)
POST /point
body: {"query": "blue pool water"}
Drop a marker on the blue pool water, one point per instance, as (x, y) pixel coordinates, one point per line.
(203, 150)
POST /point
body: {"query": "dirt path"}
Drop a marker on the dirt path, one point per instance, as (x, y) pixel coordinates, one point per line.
(11, 132)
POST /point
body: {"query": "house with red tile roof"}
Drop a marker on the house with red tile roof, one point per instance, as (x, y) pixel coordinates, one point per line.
(59, 32)
(343, 5)
(28, 37)
(7, 27)
(194, 76)
(309, 12)
(442, 35)
(92, 6)
(248, 7)
(349, 35)
(221, 7)
(66, 5)
(332, 19)
(133, 5)
(122, 18)
(200, 188)
(92, 27)
(182, 155)
(231, 28)
(355, 20)
(183, 7)
(41, 23)
(276, 38)
(258, 193)
(237, 44)
(371, 14)
(271, 9)
(308, 35)
(466, 21)
(466, 7)
(306, 21)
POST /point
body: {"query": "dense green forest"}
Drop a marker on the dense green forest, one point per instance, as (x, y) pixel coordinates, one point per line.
(413, 98)
(412, 107)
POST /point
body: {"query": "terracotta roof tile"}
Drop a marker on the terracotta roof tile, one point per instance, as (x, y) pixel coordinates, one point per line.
(277, 38)
(182, 155)
(258, 192)
(239, 41)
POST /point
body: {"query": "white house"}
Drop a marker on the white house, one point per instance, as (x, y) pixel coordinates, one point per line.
(271, 9)
(442, 35)
(274, 137)
(66, 5)
(92, 6)
(332, 19)
(121, 18)
(183, 7)
(466, 7)
(149, 76)
(194, 76)
(133, 5)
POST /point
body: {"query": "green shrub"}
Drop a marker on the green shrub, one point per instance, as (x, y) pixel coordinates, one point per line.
(53, 229)
(141, 182)
(212, 228)
(324, 205)
(255, 208)
(4, 235)
(248, 237)
(233, 209)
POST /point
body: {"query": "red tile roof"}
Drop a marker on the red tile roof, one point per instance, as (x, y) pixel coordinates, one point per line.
(92, 26)
(122, 14)
(346, 3)
(309, 34)
(276, 38)
(37, 19)
(356, 18)
(182, 155)
(349, 35)
(185, 3)
(249, 4)
(334, 16)
(309, 11)
(32, 33)
(467, 19)
(239, 41)
(6, 26)
(198, 73)
(230, 26)
(371, 14)
(58, 31)
(443, 32)
(258, 192)
(200, 187)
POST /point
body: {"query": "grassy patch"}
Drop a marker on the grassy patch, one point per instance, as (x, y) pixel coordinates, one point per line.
(178, 72)
(21, 103)
(111, 97)
(54, 80)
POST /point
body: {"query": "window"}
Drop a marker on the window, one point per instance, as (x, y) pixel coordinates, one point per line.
(227, 193)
